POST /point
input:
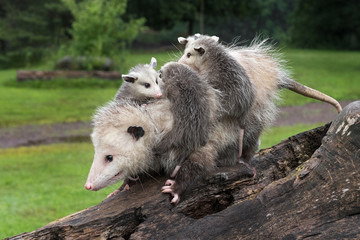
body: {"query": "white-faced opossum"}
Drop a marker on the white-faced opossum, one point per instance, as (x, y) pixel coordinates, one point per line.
(125, 135)
(268, 74)
(141, 84)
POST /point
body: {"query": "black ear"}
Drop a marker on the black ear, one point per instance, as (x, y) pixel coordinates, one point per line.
(137, 132)
(129, 78)
(200, 50)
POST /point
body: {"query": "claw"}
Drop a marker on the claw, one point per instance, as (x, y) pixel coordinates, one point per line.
(169, 182)
(176, 199)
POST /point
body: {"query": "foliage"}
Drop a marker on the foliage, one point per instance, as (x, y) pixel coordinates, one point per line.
(29, 28)
(98, 29)
(165, 14)
(326, 24)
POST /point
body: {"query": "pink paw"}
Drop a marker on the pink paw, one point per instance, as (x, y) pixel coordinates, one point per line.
(121, 189)
(168, 188)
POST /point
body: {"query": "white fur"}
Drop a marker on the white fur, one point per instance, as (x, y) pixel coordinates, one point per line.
(130, 156)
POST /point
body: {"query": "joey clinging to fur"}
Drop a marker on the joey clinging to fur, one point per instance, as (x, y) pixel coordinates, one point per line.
(212, 61)
(194, 106)
(141, 84)
(268, 74)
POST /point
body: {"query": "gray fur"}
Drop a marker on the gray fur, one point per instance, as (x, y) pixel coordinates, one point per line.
(225, 74)
(194, 107)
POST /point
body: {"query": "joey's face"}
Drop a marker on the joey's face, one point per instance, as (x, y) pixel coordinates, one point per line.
(194, 50)
(145, 83)
(119, 152)
(149, 84)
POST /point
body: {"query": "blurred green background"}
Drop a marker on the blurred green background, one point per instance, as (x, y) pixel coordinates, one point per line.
(320, 40)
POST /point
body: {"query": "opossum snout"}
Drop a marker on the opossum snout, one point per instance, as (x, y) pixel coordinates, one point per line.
(89, 186)
(158, 95)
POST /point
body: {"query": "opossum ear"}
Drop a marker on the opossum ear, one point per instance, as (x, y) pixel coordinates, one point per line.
(153, 63)
(182, 40)
(136, 132)
(200, 50)
(129, 78)
(215, 38)
(197, 36)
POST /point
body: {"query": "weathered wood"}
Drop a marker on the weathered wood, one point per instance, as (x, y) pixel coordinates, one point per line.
(308, 186)
(23, 75)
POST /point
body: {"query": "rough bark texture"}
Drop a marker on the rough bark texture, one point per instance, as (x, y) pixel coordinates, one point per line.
(23, 75)
(307, 187)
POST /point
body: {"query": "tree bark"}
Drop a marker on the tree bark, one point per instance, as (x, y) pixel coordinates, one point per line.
(308, 186)
(23, 75)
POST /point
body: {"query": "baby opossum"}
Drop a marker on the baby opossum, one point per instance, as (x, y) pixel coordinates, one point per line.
(268, 74)
(141, 84)
(223, 72)
(195, 111)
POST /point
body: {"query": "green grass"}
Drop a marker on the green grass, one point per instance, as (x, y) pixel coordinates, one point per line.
(275, 135)
(44, 183)
(335, 73)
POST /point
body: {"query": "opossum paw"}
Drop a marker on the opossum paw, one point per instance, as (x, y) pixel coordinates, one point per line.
(168, 188)
(113, 193)
(144, 105)
(126, 187)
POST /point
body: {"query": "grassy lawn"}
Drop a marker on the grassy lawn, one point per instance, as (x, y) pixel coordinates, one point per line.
(41, 184)
(335, 73)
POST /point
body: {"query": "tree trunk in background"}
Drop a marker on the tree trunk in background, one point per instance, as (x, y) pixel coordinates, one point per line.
(308, 186)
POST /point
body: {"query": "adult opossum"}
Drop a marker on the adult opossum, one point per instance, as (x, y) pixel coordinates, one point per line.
(267, 73)
(141, 84)
(125, 134)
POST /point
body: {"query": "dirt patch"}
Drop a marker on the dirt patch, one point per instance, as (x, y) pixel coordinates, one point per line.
(29, 135)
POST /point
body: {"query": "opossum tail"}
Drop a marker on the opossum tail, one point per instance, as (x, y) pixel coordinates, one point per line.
(309, 92)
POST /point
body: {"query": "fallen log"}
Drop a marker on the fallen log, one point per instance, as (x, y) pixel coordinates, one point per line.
(308, 186)
(23, 75)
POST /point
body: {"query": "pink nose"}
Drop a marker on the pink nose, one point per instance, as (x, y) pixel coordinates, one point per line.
(158, 95)
(89, 186)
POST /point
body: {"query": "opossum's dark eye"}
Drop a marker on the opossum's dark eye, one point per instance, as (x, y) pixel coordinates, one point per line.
(188, 55)
(109, 158)
(147, 85)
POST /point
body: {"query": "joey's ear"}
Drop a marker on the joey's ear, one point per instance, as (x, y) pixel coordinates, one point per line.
(153, 63)
(136, 132)
(197, 36)
(129, 78)
(182, 40)
(200, 50)
(215, 38)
